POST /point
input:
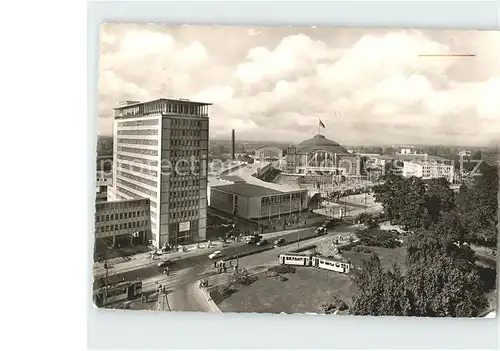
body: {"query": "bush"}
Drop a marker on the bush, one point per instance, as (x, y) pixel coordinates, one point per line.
(241, 277)
(362, 248)
(282, 269)
(271, 274)
(332, 305)
(225, 289)
(379, 238)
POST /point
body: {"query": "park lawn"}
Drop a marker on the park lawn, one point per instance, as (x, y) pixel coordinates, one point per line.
(388, 257)
(302, 292)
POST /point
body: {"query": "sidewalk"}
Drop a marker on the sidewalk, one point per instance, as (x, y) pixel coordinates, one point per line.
(144, 260)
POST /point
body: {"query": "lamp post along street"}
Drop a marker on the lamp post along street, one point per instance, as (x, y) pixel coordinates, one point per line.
(298, 239)
(105, 283)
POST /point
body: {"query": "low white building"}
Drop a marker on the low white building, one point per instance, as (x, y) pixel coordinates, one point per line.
(428, 169)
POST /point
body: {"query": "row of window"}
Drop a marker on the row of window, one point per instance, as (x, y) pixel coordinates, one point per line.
(181, 123)
(184, 214)
(185, 133)
(136, 187)
(137, 178)
(334, 264)
(138, 132)
(294, 258)
(134, 150)
(118, 205)
(182, 204)
(138, 160)
(122, 215)
(184, 142)
(128, 166)
(121, 226)
(185, 153)
(280, 198)
(146, 122)
(184, 183)
(128, 193)
(184, 193)
(138, 141)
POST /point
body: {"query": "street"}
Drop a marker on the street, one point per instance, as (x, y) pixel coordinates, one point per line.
(148, 268)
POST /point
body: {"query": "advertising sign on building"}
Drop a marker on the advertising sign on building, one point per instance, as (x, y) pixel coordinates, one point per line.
(184, 226)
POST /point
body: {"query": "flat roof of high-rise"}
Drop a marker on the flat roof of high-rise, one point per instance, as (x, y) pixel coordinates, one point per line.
(136, 103)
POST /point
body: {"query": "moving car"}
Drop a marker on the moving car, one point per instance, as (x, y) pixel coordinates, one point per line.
(279, 242)
(320, 230)
(215, 254)
(262, 242)
(164, 263)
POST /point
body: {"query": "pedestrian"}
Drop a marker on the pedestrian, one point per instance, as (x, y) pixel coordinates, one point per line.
(224, 269)
(215, 264)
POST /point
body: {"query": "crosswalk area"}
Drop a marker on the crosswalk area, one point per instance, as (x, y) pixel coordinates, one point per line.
(176, 278)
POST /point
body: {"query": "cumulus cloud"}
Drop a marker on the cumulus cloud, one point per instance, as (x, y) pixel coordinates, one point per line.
(367, 88)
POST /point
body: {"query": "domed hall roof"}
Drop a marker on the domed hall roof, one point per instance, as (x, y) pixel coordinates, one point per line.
(320, 142)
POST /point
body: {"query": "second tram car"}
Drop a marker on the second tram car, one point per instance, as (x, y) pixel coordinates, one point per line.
(307, 260)
(127, 290)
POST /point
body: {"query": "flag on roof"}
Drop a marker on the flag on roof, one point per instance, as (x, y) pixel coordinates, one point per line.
(321, 124)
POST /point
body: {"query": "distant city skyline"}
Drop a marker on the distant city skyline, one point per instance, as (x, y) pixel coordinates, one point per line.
(369, 87)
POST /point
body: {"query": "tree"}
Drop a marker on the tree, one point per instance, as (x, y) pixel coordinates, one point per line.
(378, 293)
(444, 287)
(439, 198)
(427, 245)
(403, 200)
(479, 206)
(368, 220)
(440, 287)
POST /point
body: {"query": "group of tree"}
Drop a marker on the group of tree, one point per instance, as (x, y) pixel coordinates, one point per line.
(435, 286)
(415, 204)
(440, 277)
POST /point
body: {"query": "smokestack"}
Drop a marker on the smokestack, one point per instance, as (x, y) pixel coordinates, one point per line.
(233, 145)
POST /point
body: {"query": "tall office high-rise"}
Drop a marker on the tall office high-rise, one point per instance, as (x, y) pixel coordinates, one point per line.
(160, 152)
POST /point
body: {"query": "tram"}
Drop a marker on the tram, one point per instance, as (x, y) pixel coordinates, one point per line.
(308, 260)
(120, 291)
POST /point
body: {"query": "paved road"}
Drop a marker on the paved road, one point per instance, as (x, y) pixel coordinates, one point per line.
(182, 282)
(197, 261)
(186, 296)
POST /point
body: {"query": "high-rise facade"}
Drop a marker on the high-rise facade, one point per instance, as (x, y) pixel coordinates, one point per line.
(160, 152)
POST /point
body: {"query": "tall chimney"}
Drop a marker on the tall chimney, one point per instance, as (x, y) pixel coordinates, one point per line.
(233, 146)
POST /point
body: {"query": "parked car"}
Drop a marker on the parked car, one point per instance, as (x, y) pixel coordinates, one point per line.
(251, 240)
(164, 263)
(279, 242)
(262, 242)
(215, 255)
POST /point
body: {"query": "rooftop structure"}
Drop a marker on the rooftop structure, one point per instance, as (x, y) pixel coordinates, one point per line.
(131, 109)
(249, 190)
(320, 142)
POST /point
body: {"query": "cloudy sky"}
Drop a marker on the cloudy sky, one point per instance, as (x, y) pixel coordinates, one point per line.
(273, 83)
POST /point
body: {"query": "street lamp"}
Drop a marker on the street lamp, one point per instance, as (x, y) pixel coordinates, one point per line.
(106, 267)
